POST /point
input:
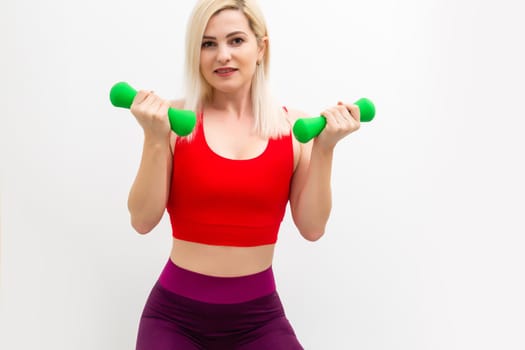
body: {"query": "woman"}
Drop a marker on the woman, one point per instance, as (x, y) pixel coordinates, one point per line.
(226, 187)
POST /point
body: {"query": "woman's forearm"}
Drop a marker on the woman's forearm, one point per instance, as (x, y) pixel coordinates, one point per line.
(311, 190)
(149, 194)
(315, 200)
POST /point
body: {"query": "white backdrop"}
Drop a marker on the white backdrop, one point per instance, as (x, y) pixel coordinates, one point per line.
(425, 245)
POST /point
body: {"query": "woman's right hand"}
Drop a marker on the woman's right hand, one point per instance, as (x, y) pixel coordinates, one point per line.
(151, 112)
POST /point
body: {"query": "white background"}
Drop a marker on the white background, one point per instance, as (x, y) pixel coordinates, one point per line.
(425, 245)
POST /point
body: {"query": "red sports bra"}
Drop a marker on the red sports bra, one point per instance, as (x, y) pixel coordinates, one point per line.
(220, 201)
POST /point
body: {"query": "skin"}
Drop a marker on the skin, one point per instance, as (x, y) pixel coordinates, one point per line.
(230, 43)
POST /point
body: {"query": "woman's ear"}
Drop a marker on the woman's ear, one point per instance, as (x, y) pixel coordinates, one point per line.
(263, 43)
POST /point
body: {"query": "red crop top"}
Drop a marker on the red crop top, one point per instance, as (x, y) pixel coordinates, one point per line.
(220, 201)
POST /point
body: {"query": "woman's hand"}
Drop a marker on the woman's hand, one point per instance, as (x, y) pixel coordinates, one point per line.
(341, 120)
(152, 114)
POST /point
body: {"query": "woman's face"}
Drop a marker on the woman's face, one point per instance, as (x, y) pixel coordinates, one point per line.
(229, 52)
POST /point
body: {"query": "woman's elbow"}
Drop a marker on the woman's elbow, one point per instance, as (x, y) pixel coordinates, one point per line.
(312, 235)
(142, 226)
(312, 229)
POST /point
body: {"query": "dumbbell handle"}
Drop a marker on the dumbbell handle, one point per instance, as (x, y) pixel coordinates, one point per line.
(182, 121)
(306, 129)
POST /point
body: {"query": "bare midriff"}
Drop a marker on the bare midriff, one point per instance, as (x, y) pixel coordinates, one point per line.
(223, 261)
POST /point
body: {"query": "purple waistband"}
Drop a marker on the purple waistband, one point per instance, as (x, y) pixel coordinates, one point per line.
(216, 290)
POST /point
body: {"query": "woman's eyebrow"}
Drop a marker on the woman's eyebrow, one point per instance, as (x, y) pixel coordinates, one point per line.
(208, 37)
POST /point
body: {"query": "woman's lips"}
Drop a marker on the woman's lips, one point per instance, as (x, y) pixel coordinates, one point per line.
(225, 72)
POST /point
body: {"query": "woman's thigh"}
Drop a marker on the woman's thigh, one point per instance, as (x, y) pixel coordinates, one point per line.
(160, 327)
(276, 335)
(157, 334)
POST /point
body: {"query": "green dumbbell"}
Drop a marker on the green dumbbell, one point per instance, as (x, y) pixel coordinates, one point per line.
(306, 129)
(182, 122)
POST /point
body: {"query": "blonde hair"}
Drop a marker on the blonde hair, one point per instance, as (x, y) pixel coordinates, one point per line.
(269, 119)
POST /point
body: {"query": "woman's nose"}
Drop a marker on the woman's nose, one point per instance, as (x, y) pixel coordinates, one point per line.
(224, 54)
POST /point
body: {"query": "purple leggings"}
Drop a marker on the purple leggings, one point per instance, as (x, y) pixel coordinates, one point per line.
(190, 311)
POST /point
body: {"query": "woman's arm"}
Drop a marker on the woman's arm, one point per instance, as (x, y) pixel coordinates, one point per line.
(311, 194)
(149, 193)
(150, 190)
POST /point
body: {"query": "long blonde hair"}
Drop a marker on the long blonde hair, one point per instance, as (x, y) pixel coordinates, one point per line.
(269, 119)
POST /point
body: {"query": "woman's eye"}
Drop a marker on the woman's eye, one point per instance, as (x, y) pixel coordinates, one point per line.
(237, 41)
(207, 44)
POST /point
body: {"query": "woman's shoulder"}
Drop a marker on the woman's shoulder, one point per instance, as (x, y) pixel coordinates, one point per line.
(175, 104)
(294, 114)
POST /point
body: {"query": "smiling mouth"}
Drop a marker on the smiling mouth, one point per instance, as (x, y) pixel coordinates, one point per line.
(225, 70)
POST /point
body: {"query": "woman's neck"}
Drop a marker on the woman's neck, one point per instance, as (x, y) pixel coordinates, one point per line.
(238, 105)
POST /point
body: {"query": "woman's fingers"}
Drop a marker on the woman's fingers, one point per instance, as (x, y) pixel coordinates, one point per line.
(151, 112)
(341, 120)
(354, 110)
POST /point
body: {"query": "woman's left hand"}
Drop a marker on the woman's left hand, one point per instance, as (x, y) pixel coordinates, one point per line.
(341, 120)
